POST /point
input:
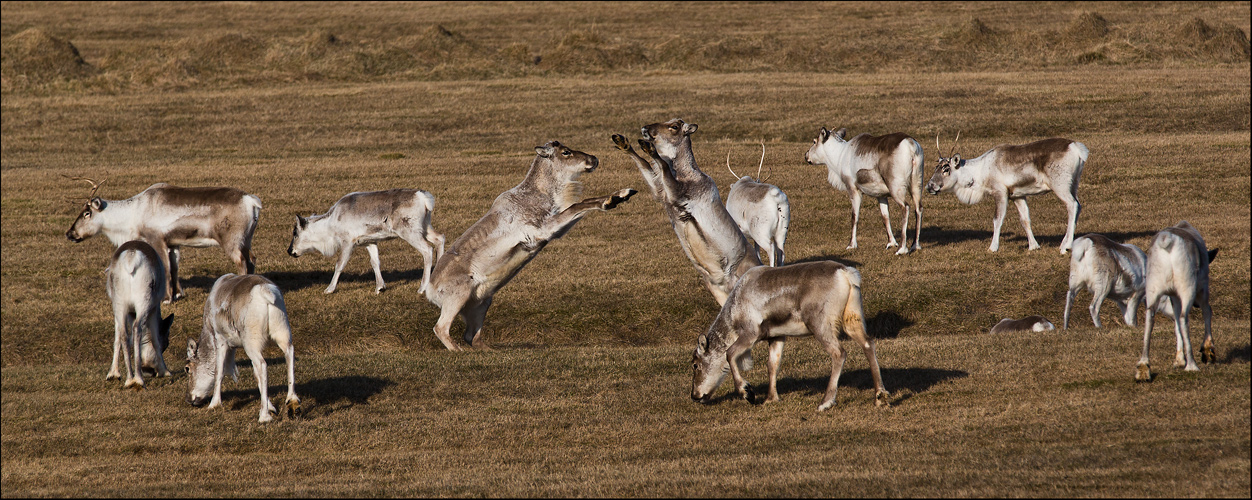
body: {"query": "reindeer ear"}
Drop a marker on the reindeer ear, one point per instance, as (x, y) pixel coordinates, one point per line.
(97, 204)
(1212, 255)
(702, 344)
(823, 135)
(302, 222)
(191, 349)
(956, 160)
(689, 128)
(841, 133)
(544, 151)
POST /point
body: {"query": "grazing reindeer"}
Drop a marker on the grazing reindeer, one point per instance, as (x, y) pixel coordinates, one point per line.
(135, 282)
(1027, 324)
(1013, 172)
(520, 223)
(170, 217)
(1177, 279)
(879, 166)
(706, 232)
(821, 298)
(1107, 269)
(761, 211)
(365, 219)
(241, 311)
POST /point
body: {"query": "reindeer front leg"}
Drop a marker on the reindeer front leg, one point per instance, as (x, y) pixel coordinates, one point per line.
(1002, 205)
(560, 223)
(671, 187)
(650, 176)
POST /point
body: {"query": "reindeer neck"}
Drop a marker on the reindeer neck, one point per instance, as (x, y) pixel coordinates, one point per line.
(118, 223)
(542, 181)
(685, 161)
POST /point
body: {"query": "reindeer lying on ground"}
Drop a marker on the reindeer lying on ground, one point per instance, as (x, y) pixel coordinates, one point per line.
(1013, 172)
(761, 211)
(135, 282)
(1178, 279)
(170, 217)
(707, 233)
(1107, 269)
(365, 219)
(1027, 324)
(241, 311)
(821, 298)
(879, 166)
(519, 224)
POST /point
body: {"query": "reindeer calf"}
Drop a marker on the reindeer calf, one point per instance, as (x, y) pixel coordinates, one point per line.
(365, 219)
(135, 282)
(241, 311)
(821, 298)
(1177, 279)
(1107, 269)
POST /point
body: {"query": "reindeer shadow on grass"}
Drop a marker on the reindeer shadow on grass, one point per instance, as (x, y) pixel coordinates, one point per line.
(903, 383)
(299, 280)
(824, 257)
(941, 237)
(318, 398)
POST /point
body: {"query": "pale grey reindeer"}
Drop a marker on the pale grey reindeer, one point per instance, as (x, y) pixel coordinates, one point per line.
(761, 211)
(171, 217)
(1027, 324)
(241, 311)
(822, 299)
(884, 166)
(135, 282)
(1107, 269)
(366, 219)
(706, 232)
(520, 223)
(1013, 172)
(1177, 279)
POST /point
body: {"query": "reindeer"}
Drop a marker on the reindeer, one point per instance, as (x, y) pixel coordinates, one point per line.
(170, 217)
(1178, 279)
(135, 282)
(1107, 269)
(879, 166)
(520, 223)
(241, 311)
(1027, 324)
(761, 211)
(820, 298)
(365, 219)
(706, 232)
(1013, 172)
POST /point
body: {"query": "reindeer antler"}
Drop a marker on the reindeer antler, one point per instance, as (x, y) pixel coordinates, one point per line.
(732, 172)
(95, 186)
(958, 139)
(938, 150)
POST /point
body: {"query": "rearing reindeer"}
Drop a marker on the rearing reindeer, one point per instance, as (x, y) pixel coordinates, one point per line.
(170, 217)
(519, 224)
(707, 233)
(1013, 172)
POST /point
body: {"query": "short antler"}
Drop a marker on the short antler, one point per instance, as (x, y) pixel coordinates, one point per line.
(938, 150)
(732, 172)
(954, 143)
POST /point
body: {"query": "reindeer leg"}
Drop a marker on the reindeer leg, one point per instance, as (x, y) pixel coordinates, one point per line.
(1206, 349)
(904, 227)
(1069, 302)
(774, 360)
(830, 342)
(474, 317)
(855, 196)
(1143, 371)
(886, 220)
(650, 174)
(425, 248)
(378, 274)
(119, 332)
(175, 257)
(1072, 209)
(1098, 293)
(1001, 208)
(1024, 212)
(449, 308)
(741, 347)
(344, 255)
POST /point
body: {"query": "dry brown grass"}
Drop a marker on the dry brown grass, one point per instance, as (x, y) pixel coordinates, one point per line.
(302, 104)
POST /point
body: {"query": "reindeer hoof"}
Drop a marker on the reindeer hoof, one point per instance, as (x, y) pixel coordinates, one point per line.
(620, 142)
(619, 198)
(1207, 356)
(903, 251)
(1143, 373)
(113, 376)
(880, 399)
(646, 147)
(293, 409)
(379, 290)
(748, 395)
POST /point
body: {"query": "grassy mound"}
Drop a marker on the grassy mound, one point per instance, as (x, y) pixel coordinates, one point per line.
(36, 55)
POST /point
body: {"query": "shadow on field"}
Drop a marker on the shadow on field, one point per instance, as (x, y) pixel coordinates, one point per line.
(942, 237)
(887, 325)
(819, 258)
(1017, 234)
(1241, 354)
(321, 397)
(903, 383)
(291, 281)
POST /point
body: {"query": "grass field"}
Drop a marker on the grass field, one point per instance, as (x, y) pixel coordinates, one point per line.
(587, 392)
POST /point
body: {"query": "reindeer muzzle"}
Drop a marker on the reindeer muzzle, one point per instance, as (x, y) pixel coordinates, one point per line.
(292, 251)
(592, 164)
(70, 236)
(197, 402)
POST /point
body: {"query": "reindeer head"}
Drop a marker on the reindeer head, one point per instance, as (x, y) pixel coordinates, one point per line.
(666, 136)
(709, 368)
(88, 223)
(943, 180)
(304, 240)
(201, 371)
(566, 164)
(817, 153)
